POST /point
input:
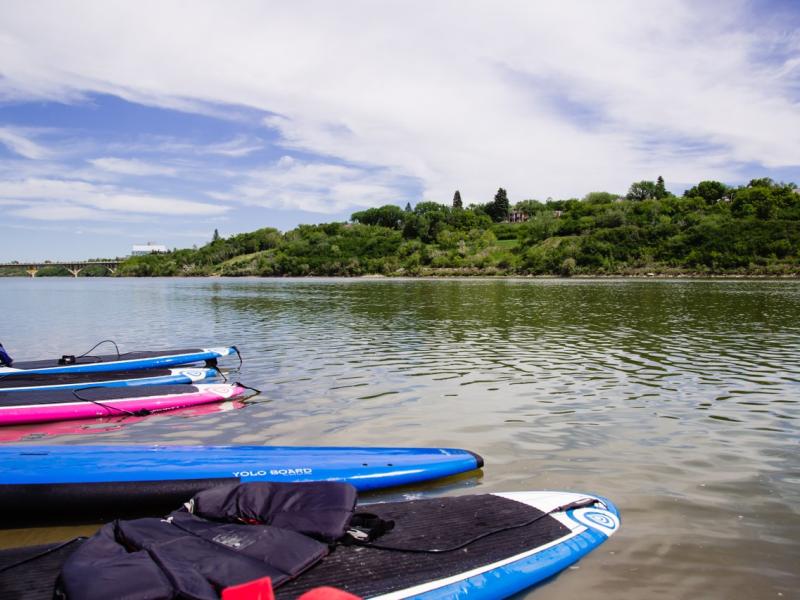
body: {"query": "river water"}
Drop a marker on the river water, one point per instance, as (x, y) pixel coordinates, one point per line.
(677, 399)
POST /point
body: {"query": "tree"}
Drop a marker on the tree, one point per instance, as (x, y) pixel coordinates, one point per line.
(408, 207)
(600, 197)
(529, 207)
(498, 209)
(761, 182)
(457, 200)
(416, 227)
(661, 189)
(758, 201)
(426, 207)
(642, 190)
(388, 215)
(710, 191)
(215, 238)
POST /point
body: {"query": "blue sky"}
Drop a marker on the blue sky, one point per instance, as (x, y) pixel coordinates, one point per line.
(147, 121)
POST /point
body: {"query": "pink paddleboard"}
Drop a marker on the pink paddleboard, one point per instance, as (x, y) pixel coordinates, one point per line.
(37, 407)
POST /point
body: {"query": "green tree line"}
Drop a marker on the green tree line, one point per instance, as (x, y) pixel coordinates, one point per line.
(710, 229)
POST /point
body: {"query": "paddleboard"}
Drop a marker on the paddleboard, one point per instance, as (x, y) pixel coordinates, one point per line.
(67, 381)
(106, 480)
(499, 545)
(39, 406)
(484, 546)
(127, 361)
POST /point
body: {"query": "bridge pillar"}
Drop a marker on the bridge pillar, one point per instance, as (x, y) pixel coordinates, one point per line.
(111, 270)
(75, 271)
(32, 271)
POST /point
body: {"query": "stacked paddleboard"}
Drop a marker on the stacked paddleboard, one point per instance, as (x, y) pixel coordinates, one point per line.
(133, 383)
(471, 546)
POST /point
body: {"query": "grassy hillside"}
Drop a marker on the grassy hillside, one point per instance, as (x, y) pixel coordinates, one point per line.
(711, 229)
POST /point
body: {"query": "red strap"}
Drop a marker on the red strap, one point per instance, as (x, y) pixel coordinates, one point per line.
(261, 589)
(258, 589)
(327, 593)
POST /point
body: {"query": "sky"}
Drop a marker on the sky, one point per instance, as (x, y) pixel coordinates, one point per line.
(123, 123)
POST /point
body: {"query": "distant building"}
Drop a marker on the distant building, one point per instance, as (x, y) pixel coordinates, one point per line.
(148, 248)
(517, 217)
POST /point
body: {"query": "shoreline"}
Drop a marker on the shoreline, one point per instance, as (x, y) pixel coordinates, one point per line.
(445, 276)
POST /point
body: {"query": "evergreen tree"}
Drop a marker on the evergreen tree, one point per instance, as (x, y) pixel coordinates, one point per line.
(408, 207)
(215, 238)
(457, 200)
(498, 209)
(661, 190)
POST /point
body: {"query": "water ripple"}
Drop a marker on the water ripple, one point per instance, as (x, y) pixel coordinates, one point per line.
(679, 399)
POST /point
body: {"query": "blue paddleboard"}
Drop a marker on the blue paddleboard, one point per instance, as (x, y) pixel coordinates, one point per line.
(126, 361)
(484, 546)
(481, 546)
(74, 381)
(80, 479)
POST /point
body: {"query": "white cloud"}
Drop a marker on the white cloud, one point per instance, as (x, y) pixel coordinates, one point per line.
(19, 143)
(236, 147)
(543, 99)
(52, 211)
(239, 146)
(57, 199)
(131, 166)
(319, 187)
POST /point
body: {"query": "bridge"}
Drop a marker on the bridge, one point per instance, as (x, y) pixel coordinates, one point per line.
(74, 267)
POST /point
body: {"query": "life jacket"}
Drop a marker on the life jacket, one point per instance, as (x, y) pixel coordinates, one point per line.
(5, 359)
(223, 537)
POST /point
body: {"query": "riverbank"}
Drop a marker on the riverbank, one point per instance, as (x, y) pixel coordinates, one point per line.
(477, 274)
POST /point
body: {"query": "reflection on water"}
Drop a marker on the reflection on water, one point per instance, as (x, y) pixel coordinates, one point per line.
(90, 427)
(677, 399)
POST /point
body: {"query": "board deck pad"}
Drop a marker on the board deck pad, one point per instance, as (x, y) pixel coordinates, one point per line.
(27, 381)
(429, 523)
(35, 578)
(506, 538)
(43, 405)
(146, 359)
(23, 379)
(32, 365)
(40, 396)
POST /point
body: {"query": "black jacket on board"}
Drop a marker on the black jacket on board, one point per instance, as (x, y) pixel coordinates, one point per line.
(224, 536)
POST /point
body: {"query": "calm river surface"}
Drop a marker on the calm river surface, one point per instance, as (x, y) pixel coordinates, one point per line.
(677, 399)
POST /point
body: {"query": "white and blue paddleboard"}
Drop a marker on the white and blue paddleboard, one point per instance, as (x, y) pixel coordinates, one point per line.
(127, 361)
(23, 381)
(39, 480)
(484, 546)
(585, 528)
